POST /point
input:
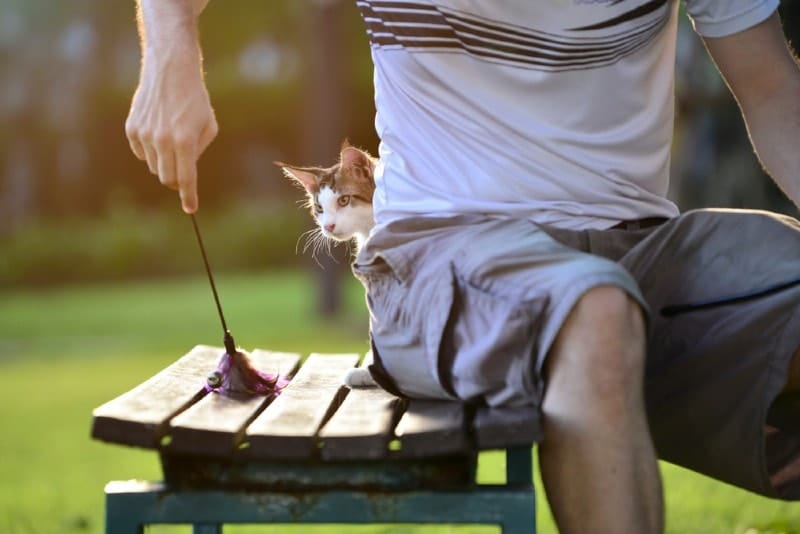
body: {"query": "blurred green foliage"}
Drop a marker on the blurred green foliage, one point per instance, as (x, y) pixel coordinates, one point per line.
(134, 244)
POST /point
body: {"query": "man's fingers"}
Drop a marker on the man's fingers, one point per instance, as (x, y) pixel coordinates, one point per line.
(132, 133)
(151, 156)
(186, 170)
(188, 194)
(186, 158)
(207, 135)
(137, 148)
(133, 140)
(166, 169)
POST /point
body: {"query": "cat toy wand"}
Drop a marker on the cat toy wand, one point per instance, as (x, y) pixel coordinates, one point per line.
(235, 374)
(227, 339)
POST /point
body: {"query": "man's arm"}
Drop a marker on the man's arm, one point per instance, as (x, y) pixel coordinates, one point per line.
(171, 121)
(765, 79)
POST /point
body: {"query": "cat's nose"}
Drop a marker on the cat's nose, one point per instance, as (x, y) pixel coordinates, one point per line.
(330, 227)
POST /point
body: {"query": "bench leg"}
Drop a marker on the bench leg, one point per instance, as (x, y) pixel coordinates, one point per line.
(519, 466)
(118, 527)
(519, 472)
(207, 528)
(120, 517)
(120, 521)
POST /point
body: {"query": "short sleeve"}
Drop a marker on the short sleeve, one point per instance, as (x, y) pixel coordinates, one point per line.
(718, 18)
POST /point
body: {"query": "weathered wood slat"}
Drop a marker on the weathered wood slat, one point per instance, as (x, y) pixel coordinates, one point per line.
(288, 427)
(215, 425)
(432, 428)
(362, 427)
(496, 428)
(139, 417)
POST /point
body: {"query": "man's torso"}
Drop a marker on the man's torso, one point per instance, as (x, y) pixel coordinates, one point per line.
(557, 111)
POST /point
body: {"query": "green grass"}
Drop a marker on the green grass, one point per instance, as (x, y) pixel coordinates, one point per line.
(65, 351)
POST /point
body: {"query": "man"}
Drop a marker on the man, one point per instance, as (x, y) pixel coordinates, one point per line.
(524, 251)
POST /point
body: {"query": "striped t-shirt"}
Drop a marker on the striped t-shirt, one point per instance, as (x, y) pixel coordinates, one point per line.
(557, 111)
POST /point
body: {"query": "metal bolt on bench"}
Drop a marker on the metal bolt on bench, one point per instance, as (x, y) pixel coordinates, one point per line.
(316, 453)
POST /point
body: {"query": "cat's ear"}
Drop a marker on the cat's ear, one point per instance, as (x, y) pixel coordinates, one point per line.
(304, 176)
(351, 157)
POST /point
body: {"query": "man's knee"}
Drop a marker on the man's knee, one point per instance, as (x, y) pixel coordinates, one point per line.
(600, 345)
(611, 306)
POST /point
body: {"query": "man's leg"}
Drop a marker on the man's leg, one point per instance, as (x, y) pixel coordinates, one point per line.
(597, 460)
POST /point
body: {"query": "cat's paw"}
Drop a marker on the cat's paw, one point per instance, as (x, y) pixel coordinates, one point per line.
(358, 377)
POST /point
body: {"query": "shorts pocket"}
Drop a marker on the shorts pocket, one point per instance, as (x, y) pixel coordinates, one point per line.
(406, 323)
(489, 345)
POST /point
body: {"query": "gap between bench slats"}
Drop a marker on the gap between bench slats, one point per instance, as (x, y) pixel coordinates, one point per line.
(139, 417)
(215, 424)
(364, 426)
(288, 427)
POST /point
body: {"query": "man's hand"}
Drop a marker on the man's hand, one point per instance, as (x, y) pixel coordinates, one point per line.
(171, 121)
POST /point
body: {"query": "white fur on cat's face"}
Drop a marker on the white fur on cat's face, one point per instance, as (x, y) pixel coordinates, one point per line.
(341, 217)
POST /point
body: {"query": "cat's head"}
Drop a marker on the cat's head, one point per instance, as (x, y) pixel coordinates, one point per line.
(340, 196)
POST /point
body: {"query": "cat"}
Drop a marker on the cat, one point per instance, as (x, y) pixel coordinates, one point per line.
(340, 201)
(339, 196)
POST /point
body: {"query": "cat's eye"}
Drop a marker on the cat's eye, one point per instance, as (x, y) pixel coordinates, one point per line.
(343, 200)
(317, 207)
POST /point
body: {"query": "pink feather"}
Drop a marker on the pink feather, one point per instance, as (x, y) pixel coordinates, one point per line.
(236, 375)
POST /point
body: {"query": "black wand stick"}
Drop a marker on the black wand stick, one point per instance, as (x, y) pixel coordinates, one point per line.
(235, 374)
(230, 345)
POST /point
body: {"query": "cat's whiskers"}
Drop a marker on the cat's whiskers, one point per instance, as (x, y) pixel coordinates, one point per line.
(304, 237)
(315, 240)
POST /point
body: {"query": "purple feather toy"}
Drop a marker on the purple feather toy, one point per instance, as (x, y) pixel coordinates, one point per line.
(235, 374)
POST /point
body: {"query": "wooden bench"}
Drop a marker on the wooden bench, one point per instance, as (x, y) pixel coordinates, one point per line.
(316, 453)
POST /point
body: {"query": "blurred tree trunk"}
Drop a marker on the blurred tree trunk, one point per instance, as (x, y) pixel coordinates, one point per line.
(326, 117)
(17, 191)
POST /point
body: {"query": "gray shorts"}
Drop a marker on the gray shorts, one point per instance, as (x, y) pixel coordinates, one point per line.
(467, 308)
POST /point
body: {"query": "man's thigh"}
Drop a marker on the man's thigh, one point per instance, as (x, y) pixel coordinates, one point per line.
(480, 309)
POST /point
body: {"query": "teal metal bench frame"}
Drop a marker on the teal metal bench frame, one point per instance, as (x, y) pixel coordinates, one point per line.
(131, 505)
